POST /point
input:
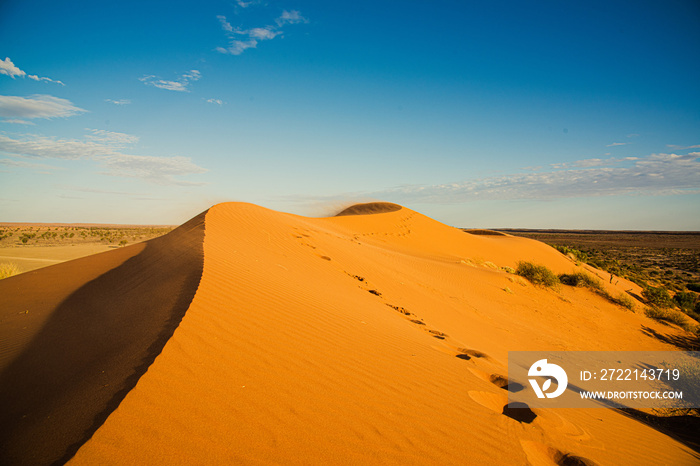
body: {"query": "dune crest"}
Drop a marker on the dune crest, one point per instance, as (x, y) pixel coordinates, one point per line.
(368, 339)
(369, 208)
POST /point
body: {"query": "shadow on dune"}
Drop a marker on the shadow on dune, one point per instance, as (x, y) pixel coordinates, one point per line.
(94, 345)
(687, 342)
(685, 428)
(369, 209)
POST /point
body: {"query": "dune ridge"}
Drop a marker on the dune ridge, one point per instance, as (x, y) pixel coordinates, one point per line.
(369, 339)
(78, 335)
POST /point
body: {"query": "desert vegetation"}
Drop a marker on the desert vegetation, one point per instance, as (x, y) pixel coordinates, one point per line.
(8, 269)
(541, 275)
(61, 235)
(666, 265)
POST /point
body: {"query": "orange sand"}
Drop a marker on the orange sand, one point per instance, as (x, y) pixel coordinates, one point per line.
(335, 341)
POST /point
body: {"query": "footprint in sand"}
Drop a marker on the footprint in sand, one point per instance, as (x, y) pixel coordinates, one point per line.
(498, 403)
(538, 453)
(467, 354)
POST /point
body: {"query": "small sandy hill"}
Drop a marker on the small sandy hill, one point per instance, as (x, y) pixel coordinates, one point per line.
(355, 339)
(369, 208)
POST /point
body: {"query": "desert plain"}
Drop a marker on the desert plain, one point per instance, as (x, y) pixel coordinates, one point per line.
(250, 336)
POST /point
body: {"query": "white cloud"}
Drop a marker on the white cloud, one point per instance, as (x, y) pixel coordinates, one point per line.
(10, 69)
(104, 147)
(225, 25)
(119, 102)
(37, 106)
(160, 170)
(111, 138)
(215, 101)
(617, 144)
(237, 47)
(265, 33)
(241, 40)
(675, 147)
(49, 80)
(290, 17)
(17, 121)
(656, 174)
(180, 85)
(243, 4)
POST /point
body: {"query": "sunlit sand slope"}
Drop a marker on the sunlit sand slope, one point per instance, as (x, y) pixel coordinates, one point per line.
(374, 338)
(75, 338)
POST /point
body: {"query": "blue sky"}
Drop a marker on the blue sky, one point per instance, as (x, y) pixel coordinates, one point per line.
(479, 114)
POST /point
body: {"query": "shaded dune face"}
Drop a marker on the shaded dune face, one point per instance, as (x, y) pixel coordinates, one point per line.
(77, 336)
(370, 208)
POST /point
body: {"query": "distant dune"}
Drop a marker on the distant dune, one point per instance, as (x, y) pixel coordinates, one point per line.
(249, 336)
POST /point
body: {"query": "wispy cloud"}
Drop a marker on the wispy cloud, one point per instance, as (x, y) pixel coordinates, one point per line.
(656, 174)
(17, 121)
(111, 138)
(617, 144)
(675, 147)
(37, 106)
(160, 170)
(241, 40)
(24, 164)
(215, 101)
(106, 148)
(290, 17)
(180, 85)
(10, 69)
(119, 102)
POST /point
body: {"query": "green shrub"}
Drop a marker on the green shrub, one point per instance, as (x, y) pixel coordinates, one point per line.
(575, 254)
(658, 297)
(537, 274)
(8, 270)
(685, 300)
(581, 279)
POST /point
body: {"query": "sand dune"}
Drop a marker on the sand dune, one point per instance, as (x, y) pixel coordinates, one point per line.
(379, 336)
(78, 335)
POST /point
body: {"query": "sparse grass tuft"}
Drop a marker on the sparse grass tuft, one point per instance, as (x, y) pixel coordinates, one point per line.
(669, 315)
(582, 279)
(537, 274)
(8, 269)
(623, 300)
